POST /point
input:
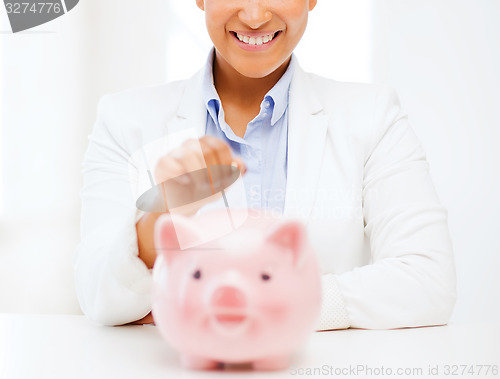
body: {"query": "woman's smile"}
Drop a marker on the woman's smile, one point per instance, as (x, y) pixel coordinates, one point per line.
(255, 41)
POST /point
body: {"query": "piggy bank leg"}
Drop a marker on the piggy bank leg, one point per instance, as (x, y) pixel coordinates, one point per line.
(197, 363)
(275, 363)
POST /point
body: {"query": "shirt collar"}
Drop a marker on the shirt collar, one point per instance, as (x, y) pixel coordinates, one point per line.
(280, 92)
(278, 95)
(210, 96)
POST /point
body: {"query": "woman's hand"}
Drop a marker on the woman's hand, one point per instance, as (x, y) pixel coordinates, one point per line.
(177, 165)
(193, 174)
(194, 155)
(148, 319)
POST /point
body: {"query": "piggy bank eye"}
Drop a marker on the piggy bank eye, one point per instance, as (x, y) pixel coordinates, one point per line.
(197, 274)
(265, 277)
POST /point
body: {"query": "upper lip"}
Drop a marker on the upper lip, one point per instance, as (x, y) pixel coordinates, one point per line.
(260, 33)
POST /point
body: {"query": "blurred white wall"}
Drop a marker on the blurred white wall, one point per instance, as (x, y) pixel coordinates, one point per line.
(51, 79)
(443, 58)
(337, 43)
(42, 122)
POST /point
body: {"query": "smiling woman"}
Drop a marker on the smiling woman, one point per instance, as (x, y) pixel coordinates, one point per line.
(285, 25)
(339, 156)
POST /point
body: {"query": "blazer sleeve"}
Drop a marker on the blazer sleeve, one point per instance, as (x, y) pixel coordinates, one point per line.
(411, 280)
(113, 285)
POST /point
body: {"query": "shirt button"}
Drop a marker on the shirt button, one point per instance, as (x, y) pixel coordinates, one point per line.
(254, 193)
(264, 114)
(267, 104)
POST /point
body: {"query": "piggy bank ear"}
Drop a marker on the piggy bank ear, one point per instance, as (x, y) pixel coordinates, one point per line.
(172, 234)
(290, 236)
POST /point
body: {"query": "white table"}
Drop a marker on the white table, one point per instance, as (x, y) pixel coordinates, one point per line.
(69, 347)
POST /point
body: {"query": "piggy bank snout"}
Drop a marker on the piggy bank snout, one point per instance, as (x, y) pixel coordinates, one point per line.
(228, 297)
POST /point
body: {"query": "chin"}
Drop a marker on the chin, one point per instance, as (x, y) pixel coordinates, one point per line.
(256, 74)
(256, 70)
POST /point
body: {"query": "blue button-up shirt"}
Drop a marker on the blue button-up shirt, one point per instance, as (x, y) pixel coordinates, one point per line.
(264, 145)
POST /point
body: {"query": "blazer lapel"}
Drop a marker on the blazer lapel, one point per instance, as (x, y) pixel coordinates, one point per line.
(307, 130)
(192, 112)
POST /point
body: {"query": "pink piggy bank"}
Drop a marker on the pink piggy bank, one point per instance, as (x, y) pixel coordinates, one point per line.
(252, 296)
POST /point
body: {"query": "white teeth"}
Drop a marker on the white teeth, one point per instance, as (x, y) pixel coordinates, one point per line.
(255, 40)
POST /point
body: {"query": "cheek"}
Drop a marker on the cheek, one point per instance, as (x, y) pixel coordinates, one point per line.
(215, 19)
(189, 301)
(295, 9)
(296, 19)
(218, 36)
(297, 28)
(274, 310)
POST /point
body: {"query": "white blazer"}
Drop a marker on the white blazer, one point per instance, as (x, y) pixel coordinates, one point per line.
(357, 176)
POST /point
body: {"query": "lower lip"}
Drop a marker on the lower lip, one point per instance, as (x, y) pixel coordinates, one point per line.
(248, 47)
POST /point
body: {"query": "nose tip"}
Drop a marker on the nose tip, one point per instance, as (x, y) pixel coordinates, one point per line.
(255, 15)
(228, 297)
